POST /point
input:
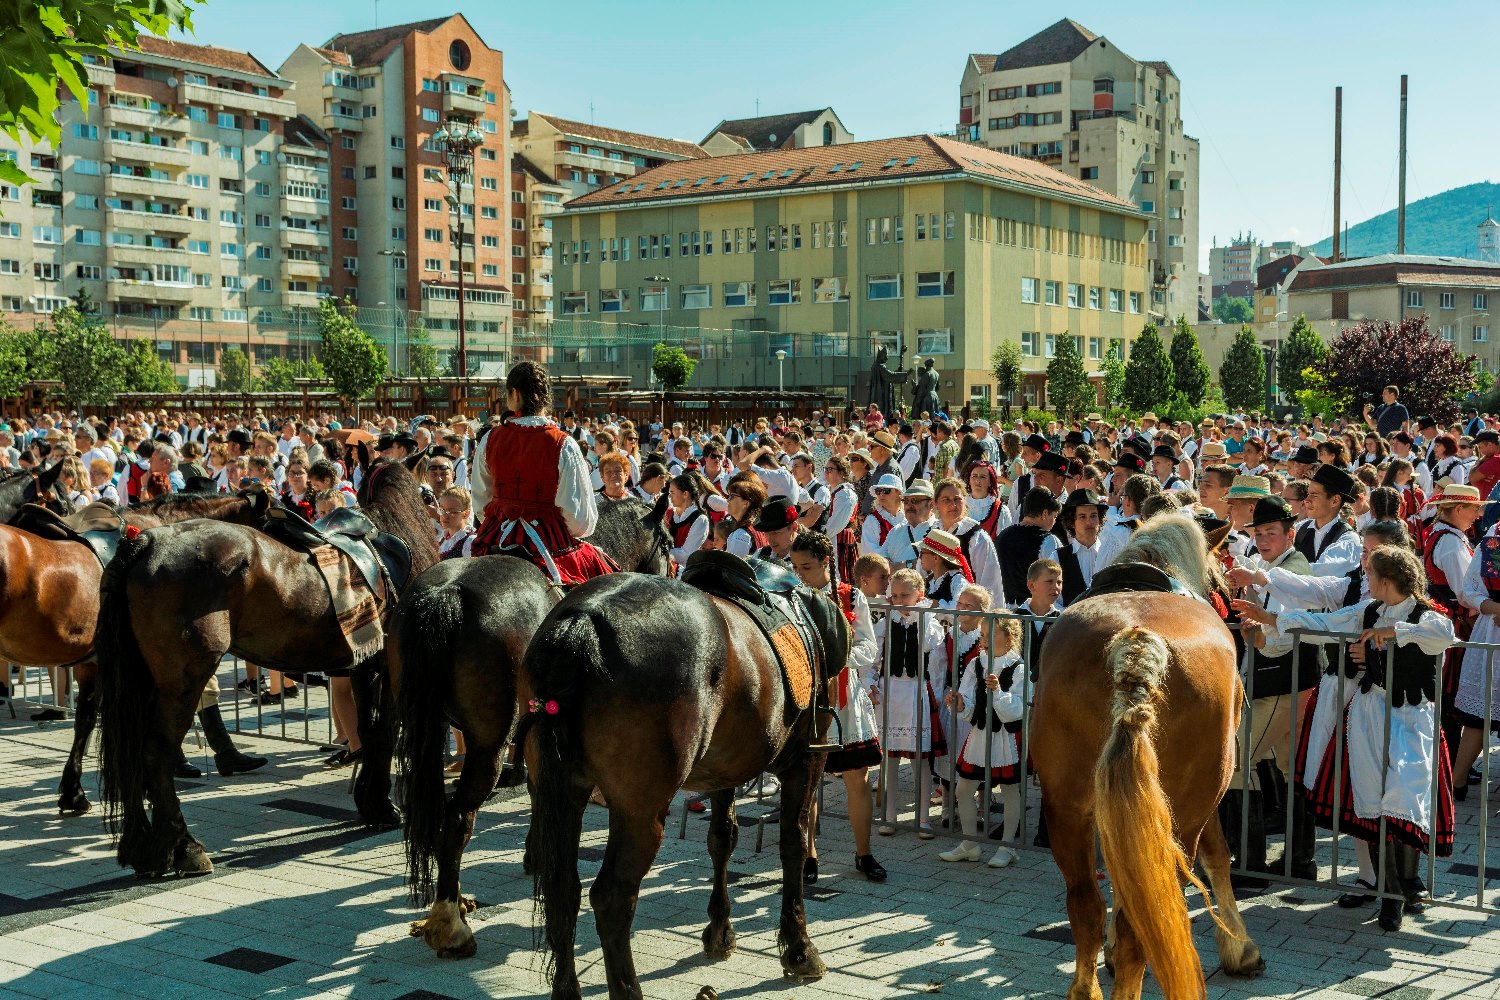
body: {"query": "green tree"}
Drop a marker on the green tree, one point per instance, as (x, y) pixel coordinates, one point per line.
(145, 371)
(1233, 309)
(89, 362)
(1113, 370)
(234, 371)
(421, 356)
(355, 363)
(279, 374)
(671, 366)
(1148, 373)
(1243, 374)
(1190, 374)
(1302, 349)
(40, 351)
(13, 369)
(1005, 365)
(45, 44)
(1068, 387)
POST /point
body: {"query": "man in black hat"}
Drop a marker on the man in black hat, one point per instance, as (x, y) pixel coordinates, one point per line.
(1299, 463)
(1276, 684)
(1164, 467)
(1071, 441)
(908, 455)
(778, 522)
(1033, 447)
(1127, 465)
(237, 442)
(1082, 518)
(402, 446)
(1324, 538)
(1485, 473)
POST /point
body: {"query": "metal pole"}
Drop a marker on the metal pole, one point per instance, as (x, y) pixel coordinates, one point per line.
(1401, 183)
(1338, 163)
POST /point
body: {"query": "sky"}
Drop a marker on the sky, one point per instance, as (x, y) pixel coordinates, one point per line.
(1257, 79)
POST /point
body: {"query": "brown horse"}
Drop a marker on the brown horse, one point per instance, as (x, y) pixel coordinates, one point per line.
(1133, 735)
(49, 605)
(457, 639)
(174, 602)
(646, 686)
(19, 487)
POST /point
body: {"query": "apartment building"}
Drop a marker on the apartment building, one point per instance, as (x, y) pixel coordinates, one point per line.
(1069, 98)
(1234, 268)
(381, 95)
(923, 245)
(534, 198)
(187, 199)
(585, 157)
(820, 127)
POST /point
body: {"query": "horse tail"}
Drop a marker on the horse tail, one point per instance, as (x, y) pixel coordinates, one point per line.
(1146, 863)
(127, 706)
(549, 734)
(426, 627)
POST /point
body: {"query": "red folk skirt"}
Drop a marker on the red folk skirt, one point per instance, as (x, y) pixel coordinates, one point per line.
(576, 560)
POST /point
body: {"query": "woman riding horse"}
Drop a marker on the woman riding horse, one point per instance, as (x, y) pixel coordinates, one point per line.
(534, 486)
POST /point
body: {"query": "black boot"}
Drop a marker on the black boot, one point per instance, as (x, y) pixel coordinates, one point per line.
(1390, 909)
(1273, 795)
(1408, 861)
(1303, 847)
(1252, 855)
(184, 768)
(227, 758)
(1041, 839)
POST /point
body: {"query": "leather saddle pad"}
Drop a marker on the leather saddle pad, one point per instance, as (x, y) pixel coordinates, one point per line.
(353, 535)
(98, 525)
(1132, 577)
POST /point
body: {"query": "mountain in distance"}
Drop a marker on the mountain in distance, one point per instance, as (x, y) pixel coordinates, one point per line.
(1443, 225)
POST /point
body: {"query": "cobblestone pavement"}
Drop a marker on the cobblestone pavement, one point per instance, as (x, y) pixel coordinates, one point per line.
(305, 903)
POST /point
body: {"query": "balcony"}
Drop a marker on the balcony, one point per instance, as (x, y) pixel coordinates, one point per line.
(145, 152)
(293, 270)
(100, 75)
(311, 239)
(542, 235)
(298, 174)
(235, 100)
(151, 222)
(147, 187)
(311, 207)
(344, 123)
(605, 164)
(137, 255)
(300, 300)
(148, 291)
(121, 116)
(465, 104)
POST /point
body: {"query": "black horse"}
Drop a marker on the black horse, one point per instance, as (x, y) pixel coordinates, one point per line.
(457, 641)
(646, 686)
(174, 601)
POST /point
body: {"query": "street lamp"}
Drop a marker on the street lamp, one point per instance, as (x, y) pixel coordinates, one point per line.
(458, 139)
(662, 281)
(394, 255)
(780, 371)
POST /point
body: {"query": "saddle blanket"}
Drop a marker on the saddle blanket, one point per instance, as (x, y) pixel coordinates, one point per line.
(796, 664)
(354, 603)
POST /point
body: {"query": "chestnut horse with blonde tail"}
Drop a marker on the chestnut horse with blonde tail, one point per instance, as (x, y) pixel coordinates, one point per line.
(1133, 737)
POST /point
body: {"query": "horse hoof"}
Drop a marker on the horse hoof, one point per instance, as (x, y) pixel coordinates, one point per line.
(381, 817)
(192, 861)
(74, 805)
(718, 942)
(806, 966)
(445, 931)
(468, 903)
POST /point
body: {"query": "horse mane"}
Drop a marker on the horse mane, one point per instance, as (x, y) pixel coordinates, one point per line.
(1175, 545)
(184, 506)
(388, 495)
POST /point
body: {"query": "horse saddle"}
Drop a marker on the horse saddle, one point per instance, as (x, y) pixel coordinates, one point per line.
(351, 533)
(98, 525)
(1133, 577)
(773, 597)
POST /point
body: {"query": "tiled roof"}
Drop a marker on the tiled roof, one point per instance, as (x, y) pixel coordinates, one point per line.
(767, 131)
(335, 56)
(206, 55)
(367, 46)
(852, 163)
(1270, 274)
(1161, 67)
(518, 161)
(1060, 43)
(619, 137)
(1390, 269)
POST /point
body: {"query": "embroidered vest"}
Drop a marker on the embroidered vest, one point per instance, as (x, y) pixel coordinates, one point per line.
(1413, 673)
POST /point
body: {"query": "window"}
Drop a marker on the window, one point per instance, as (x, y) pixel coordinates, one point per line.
(1116, 300)
(696, 297)
(86, 237)
(575, 302)
(228, 120)
(784, 292)
(830, 290)
(491, 270)
(46, 234)
(1174, 240)
(90, 272)
(1053, 293)
(434, 235)
(739, 293)
(1042, 89)
(1447, 300)
(489, 212)
(1075, 296)
(10, 230)
(614, 300)
(197, 114)
(398, 203)
(1029, 343)
(346, 141)
(1446, 331)
(398, 232)
(1089, 173)
(1095, 297)
(231, 250)
(431, 264)
(489, 183)
(197, 181)
(1051, 343)
(654, 298)
(883, 286)
(1481, 300)
(370, 173)
(490, 242)
(198, 246)
(870, 229)
(262, 221)
(1413, 299)
(1096, 348)
(947, 226)
(262, 253)
(347, 173)
(83, 131)
(1481, 334)
(934, 342)
(1135, 302)
(921, 230)
(10, 267)
(935, 284)
(1028, 289)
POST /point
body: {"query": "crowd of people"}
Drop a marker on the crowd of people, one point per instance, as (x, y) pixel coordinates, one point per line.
(1376, 527)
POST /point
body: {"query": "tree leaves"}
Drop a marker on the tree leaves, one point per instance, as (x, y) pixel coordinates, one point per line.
(1148, 373)
(1302, 349)
(90, 364)
(672, 366)
(1069, 390)
(145, 370)
(356, 364)
(1429, 371)
(1190, 374)
(1243, 373)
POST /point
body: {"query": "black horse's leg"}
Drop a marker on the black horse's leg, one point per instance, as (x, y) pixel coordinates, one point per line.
(170, 845)
(372, 699)
(70, 796)
(799, 957)
(564, 890)
(723, 834)
(633, 842)
(444, 929)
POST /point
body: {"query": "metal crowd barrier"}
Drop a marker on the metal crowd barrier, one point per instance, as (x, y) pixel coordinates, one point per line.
(946, 767)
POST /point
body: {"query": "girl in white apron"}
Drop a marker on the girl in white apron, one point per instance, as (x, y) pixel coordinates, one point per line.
(905, 700)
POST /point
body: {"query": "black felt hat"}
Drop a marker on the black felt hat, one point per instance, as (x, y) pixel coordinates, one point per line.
(1051, 461)
(1036, 443)
(1305, 455)
(1335, 480)
(775, 514)
(1270, 510)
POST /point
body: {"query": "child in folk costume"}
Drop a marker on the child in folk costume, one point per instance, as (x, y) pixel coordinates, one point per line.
(812, 560)
(1398, 788)
(686, 522)
(1476, 704)
(961, 646)
(989, 698)
(911, 729)
(948, 572)
(841, 527)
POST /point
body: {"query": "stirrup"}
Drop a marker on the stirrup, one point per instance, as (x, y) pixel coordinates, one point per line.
(829, 747)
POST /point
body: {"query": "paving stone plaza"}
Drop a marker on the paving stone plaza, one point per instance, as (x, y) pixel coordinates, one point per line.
(304, 903)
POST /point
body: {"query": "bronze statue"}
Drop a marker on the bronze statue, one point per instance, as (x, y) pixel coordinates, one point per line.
(924, 396)
(883, 382)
